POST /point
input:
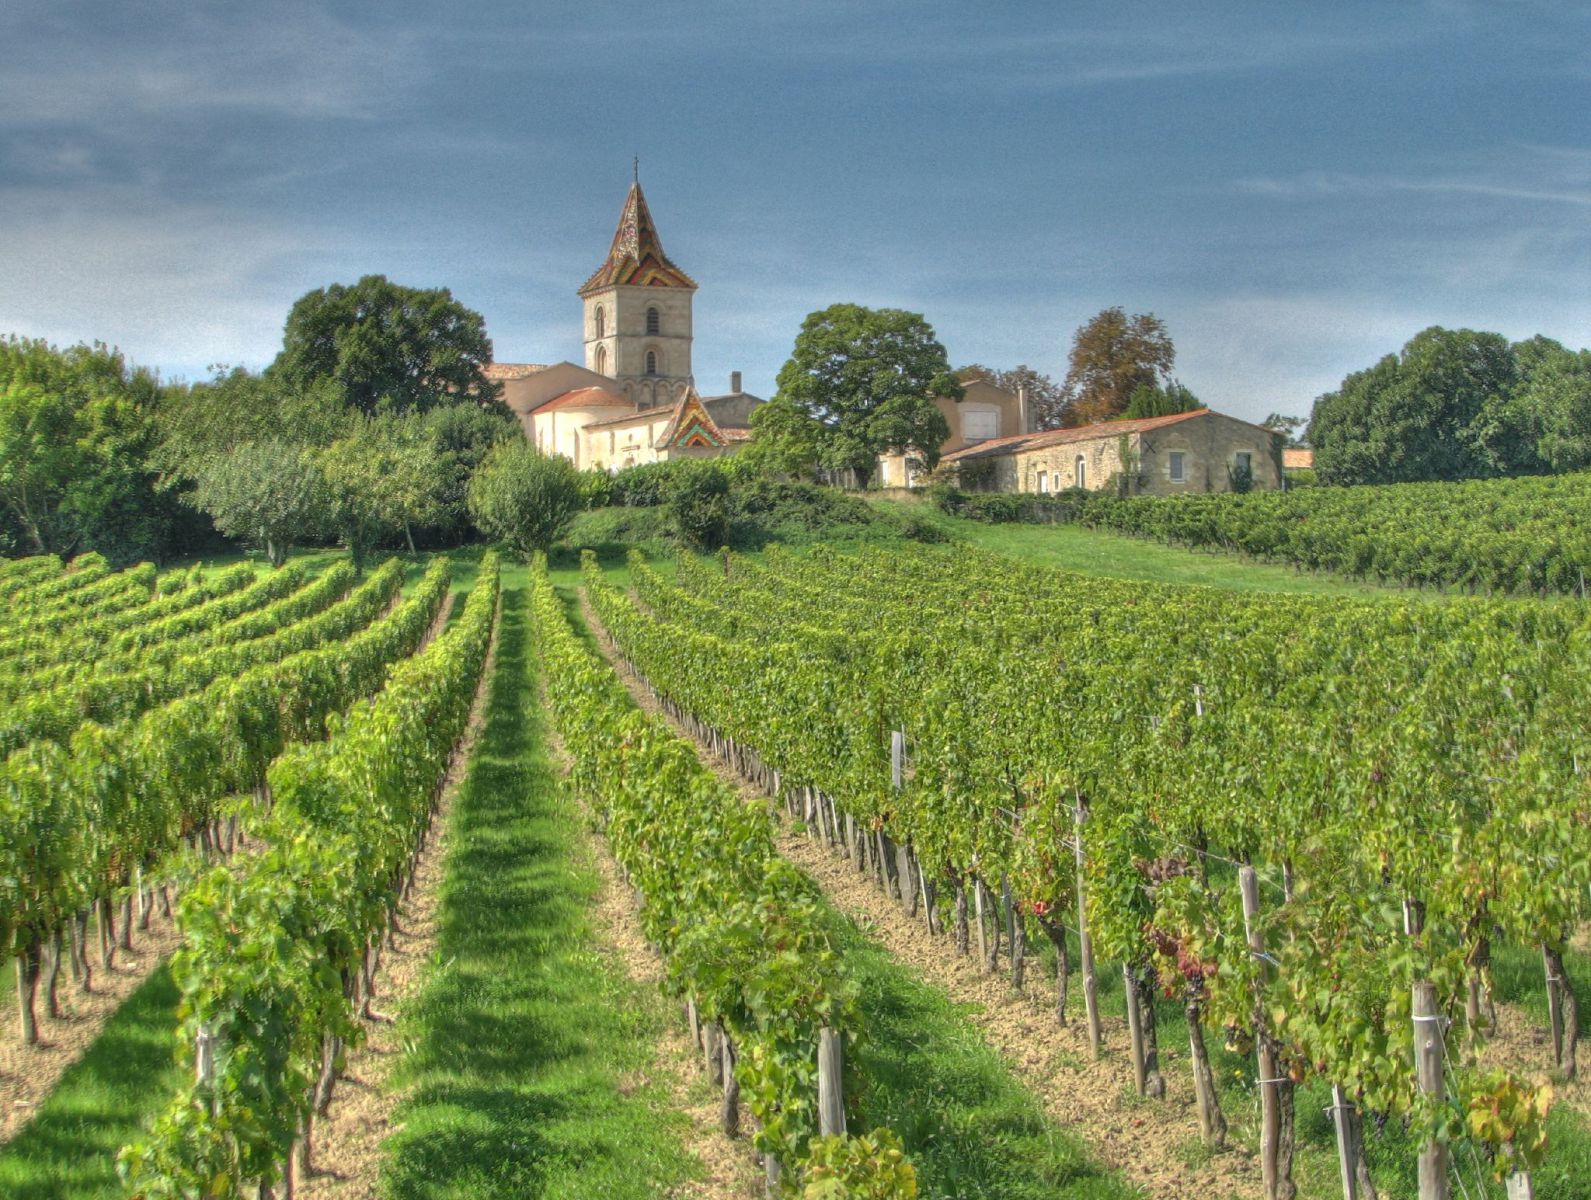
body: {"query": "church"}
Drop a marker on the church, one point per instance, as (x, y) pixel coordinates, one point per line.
(635, 399)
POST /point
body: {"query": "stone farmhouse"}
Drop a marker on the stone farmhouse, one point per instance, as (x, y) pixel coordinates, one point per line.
(984, 413)
(635, 400)
(1199, 451)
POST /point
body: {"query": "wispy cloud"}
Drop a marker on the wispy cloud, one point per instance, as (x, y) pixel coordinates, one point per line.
(291, 59)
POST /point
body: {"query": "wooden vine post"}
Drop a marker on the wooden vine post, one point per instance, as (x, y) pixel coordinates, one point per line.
(1270, 1087)
(1427, 1063)
(831, 1101)
(1085, 943)
(1347, 1151)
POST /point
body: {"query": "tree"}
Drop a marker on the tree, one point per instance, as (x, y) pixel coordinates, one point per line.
(1413, 416)
(696, 495)
(1148, 400)
(382, 479)
(270, 494)
(1047, 400)
(868, 378)
(462, 435)
(523, 497)
(77, 437)
(1287, 426)
(1550, 407)
(1112, 356)
(787, 439)
(391, 348)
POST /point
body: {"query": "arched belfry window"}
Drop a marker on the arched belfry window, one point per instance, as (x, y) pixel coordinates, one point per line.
(654, 322)
(651, 362)
(602, 354)
(602, 322)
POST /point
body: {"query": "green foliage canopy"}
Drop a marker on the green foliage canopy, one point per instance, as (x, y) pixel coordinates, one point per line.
(523, 497)
(865, 381)
(391, 348)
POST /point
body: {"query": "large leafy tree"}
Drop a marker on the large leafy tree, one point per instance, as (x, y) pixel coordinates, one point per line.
(1047, 399)
(1550, 407)
(1418, 415)
(391, 348)
(77, 433)
(866, 379)
(384, 478)
(1112, 356)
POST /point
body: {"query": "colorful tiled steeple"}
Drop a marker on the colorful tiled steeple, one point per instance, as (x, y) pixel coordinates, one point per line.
(636, 258)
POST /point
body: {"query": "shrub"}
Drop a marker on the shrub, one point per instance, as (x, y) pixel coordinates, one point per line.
(696, 492)
(523, 497)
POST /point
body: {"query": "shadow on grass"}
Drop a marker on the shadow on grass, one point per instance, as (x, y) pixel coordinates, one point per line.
(104, 1101)
(516, 1047)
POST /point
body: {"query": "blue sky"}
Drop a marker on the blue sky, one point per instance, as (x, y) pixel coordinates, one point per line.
(1295, 189)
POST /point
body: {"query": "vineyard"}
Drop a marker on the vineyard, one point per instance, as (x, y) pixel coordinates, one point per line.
(1524, 535)
(1310, 823)
(1284, 868)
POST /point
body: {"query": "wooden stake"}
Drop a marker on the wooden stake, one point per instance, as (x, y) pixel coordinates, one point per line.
(831, 1102)
(1270, 1099)
(1347, 1154)
(1428, 1077)
(729, 1110)
(1135, 1028)
(1085, 944)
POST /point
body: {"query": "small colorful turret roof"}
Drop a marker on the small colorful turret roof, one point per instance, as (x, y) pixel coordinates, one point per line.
(636, 258)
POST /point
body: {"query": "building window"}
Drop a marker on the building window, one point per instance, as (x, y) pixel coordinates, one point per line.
(1244, 462)
(654, 323)
(651, 362)
(1177, 475)
(602, 359)
(1081, 477)
(602, 323)
(980, 426)
(1044, 481)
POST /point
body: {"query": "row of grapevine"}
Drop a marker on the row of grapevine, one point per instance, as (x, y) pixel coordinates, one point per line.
(39, 592)
(112, 593)
(1403, 780)
(321, 610)
(87, 638)
(1523, 535)
(82, 822)
(736, 926)
(17, 574)
(277, 951)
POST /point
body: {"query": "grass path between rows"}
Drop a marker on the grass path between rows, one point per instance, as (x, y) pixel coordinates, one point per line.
(531, 1053)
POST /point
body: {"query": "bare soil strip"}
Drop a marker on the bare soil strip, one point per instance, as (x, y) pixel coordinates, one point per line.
(1150, 1143)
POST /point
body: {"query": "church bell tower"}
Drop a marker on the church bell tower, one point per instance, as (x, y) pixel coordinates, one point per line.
(638, 312)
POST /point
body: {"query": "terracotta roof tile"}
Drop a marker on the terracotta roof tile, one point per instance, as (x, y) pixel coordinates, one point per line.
(656, 410)
(1017, 442)
(501, 371)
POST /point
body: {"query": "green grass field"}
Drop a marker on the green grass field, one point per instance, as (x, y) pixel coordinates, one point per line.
(1096, 552)
(530, 1052)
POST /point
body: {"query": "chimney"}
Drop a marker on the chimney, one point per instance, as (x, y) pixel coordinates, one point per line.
(1022, 408)
(734, 382)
